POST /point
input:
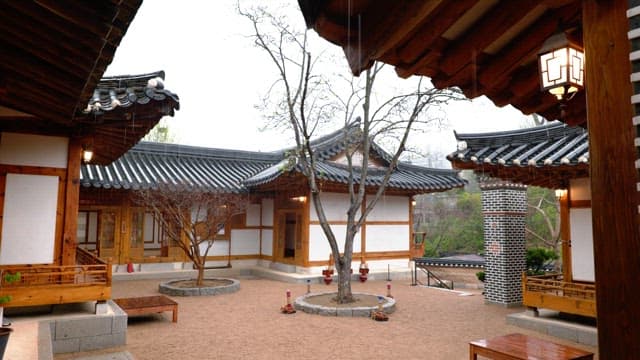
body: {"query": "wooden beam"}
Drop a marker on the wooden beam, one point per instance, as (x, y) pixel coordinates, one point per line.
(496, 21)
(565, 236)
(432, 28)
(381, 27)
(96, 18)
(58, 54)
(428, 60)
(616, 237)
(526, 45)
(42, 17)
(20, 62)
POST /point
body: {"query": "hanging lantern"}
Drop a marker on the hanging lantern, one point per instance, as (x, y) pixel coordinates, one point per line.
(561, 66)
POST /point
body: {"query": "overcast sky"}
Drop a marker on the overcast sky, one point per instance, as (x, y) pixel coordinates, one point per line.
(219, 77)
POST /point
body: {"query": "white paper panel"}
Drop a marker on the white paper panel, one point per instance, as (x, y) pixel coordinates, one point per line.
(387, 237)
(582, 264)
(219, 248)
(253, 215)
(34, 150)
(245, 241)
(267, 242)
(335, 207)
(319, 245)
(267, 212)
(390, 208)
(29, 224)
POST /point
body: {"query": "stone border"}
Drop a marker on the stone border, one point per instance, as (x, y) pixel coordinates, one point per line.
(364, 311)
(167, 289)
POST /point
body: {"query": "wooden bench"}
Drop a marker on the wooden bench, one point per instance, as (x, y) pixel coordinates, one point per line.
(148, 304)
(519, 346)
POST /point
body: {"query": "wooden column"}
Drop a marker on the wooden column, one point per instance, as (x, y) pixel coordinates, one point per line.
(363, 234)
(616, 237)
(565, 235)
(71, 203)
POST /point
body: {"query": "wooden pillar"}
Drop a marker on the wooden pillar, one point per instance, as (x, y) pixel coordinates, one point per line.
(616, 237)
(565, 235)
(363, 234)
(71, 203)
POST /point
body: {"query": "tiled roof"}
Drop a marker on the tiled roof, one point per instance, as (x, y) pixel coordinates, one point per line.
(551, 145)
(125, 91)
(528, 155)
(404, 177)
(123, 109)
(149, 164)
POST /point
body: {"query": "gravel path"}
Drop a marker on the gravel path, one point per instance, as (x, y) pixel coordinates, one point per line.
(428, 324)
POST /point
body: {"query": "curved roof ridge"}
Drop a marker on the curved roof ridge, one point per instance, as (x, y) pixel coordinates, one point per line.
(129, 80)
(553, 129)
(200, 151)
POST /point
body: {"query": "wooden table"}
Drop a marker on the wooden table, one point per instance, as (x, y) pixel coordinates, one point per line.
(519, 346)
(148, 304)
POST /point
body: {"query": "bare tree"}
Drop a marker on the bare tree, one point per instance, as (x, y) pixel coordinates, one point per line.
(308, 100)
(191, 218)
(160, 133)
(543, 220)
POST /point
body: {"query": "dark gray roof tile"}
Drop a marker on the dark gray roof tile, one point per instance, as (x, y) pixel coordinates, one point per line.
(149, 164)
(550, 145)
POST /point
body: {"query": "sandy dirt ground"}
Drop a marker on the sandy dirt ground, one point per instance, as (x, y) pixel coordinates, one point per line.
(428, 324)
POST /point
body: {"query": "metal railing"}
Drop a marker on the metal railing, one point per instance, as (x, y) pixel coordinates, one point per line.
(430, 275)
(449, 262)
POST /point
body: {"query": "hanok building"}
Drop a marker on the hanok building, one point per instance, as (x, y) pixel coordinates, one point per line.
(279, 229)
(53, 107)
(554, 156)
(491, 48)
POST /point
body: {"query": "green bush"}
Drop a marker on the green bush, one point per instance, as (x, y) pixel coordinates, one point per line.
(537, 258)
(481, 275)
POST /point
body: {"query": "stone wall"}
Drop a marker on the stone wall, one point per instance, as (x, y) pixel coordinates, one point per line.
(89, 332)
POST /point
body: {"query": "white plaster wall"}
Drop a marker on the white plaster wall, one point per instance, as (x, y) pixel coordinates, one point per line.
(29, 219)
(387, 237)
(580, 189)
(33, 150)
(335, 207)
(253, 215)
(582, 264)
(319, 245)
(267, 242)
(390, 208)
(245, 241)
(219, 248)
(267, 212)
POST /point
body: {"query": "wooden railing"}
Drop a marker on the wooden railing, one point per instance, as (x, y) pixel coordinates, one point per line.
(89, 279)
(551, 292)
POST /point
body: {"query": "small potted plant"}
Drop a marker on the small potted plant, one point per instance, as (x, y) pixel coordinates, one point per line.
(364, 270)
(7, 278)
(328, 273)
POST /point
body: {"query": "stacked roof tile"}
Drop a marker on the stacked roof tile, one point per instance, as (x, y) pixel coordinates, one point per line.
(547, 155)
(125, 91)
(550, 145)
(149, 164)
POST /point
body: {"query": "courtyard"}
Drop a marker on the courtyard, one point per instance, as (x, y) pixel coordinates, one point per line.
(428, 323)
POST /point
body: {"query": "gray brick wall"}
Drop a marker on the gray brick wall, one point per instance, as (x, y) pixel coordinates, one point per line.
(504, 206)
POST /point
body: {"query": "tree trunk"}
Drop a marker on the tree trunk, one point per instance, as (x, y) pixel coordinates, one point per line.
(343, 267)
(200, 277)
